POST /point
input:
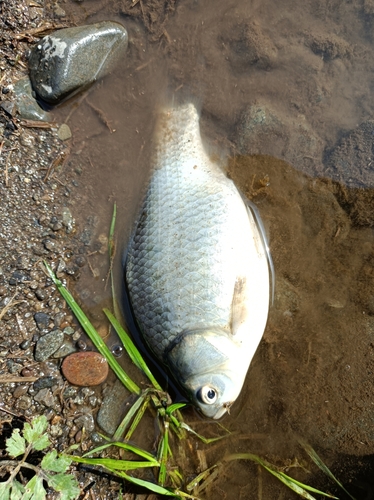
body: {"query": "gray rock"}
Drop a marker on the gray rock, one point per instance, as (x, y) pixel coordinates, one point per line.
(45, 382)
(45, 397)
(42, 320)
(13, 367)
(18, 277)
(113, 408)
(68, 347)
(26, 104)
(48, 345)
(71, 59)
(9, 107)
(86, 421)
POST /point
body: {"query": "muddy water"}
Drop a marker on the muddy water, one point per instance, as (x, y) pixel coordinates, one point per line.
(304, 71)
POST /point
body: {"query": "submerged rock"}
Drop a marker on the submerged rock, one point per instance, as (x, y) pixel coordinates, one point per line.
(114, 405)
(71, 59)
(263, 130)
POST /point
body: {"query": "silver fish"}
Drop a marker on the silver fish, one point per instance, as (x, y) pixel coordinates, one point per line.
(196, 268)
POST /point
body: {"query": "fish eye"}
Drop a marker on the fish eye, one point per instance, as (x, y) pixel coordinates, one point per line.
(208, 394)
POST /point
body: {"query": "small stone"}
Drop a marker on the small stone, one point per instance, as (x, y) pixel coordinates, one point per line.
(20, 391)
(85, 368)
(49, 414)
(24, 402)
(51, 245)
(82, 345)
(59, 320)
(48, 345)
(18, 277)
(23, 262)
(69, 60)
(27, 140)
(25, 344)
(70, 392)
(40, 294)
(27, 106)
(55, 430)
(80, 261)
(113, 408)
(64, 132)
(13, 367)
(42, 320)
(59, 11)
(68, 347)
(45, 397)
(67, 219)
(45, 382)
(8, 107)
(85, 421)
(32, 371)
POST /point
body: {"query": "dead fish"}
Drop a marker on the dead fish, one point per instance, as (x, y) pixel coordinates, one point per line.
(197, 268)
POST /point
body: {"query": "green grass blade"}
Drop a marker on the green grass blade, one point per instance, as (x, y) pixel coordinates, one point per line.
(163, 458)
(307, 487)
(176, 406)
(121, 429)
(317, 460)
(112, 251)
(202, 438)
(294, 485)
(137, 419)
(125, 446)
(176, 478)
(203, 475)
(115, 464)
(93, 335)
(131, 349)
(150, 486)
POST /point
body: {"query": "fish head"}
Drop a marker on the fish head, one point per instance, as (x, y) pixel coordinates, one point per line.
(207, 364)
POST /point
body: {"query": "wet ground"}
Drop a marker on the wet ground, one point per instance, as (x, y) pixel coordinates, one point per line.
(285, 89)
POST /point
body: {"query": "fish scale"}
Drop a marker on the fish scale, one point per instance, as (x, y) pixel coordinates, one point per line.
(194, 242)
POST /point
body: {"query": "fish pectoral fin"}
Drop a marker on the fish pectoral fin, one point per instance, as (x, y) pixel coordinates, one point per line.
(239, 309)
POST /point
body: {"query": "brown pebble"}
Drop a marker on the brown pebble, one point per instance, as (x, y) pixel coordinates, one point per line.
(31, 371)
(20, 391)
(85, 368)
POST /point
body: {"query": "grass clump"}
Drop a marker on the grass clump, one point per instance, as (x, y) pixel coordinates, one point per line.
(168, 478)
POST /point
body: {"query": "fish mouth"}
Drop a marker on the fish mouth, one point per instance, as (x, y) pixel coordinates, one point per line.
(224, 408)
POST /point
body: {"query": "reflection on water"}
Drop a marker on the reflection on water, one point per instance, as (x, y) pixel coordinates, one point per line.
(284, 86)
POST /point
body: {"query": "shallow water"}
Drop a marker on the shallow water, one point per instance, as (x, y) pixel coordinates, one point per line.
(306, 68)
